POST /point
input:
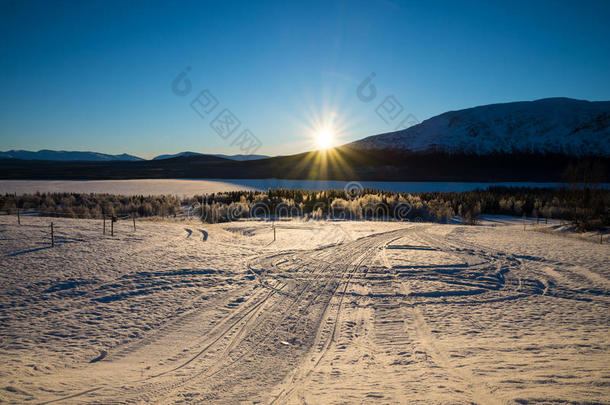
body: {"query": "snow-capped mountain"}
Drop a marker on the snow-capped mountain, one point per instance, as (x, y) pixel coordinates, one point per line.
(73, 156)
(65, 156)
(552, 125)
(170, 156)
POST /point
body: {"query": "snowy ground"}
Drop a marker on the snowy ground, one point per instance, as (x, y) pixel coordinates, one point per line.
(331, 312)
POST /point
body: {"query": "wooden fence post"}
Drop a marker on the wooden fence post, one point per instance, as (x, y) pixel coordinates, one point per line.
(134, 221)
(52, 236)
(104, 216)
(274, 232)
(112, 226)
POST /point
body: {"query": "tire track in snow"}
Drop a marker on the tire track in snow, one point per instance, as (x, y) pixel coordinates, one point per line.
(165, 390)
(324, 341)
(479, 390)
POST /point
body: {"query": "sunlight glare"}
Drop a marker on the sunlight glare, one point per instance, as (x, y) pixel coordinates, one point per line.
(324, 139)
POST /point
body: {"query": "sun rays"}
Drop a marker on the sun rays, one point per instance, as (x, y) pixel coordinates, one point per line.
(324, 124)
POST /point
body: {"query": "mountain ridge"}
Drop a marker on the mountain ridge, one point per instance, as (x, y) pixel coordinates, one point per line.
(238, 157)
(67, 156)
(89, 156)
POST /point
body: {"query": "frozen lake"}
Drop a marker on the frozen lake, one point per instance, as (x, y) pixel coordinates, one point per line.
(202, 186)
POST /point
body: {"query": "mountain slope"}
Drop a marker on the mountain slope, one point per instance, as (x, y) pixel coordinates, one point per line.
(552, 125)
(66, 156)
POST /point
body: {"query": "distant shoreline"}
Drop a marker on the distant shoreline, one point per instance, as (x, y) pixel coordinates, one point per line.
(190, 187)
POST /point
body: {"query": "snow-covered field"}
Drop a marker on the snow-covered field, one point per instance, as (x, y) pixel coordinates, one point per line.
(331, 312)
(183, 187)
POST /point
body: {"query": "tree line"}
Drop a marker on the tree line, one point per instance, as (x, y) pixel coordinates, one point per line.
(587, 207)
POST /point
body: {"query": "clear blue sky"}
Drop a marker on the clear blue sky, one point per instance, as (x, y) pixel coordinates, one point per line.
(97, 75)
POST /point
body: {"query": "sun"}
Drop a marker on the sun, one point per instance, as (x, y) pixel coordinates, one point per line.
(324, 139)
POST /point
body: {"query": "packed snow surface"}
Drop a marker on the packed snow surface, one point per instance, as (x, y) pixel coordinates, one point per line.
(327, 313)
(556, 125)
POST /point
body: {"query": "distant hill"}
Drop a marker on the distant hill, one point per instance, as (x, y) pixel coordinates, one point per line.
(341, 163)
(231, 157)
(67, 156)
(552, 125)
